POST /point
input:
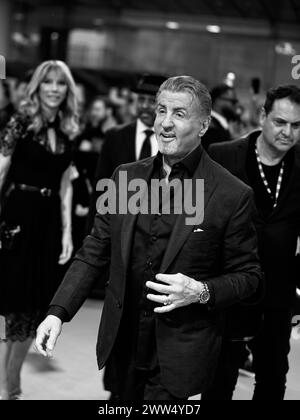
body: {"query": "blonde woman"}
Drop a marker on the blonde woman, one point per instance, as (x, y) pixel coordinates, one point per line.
(35, 181)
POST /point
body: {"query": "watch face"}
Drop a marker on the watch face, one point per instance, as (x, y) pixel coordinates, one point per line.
(204, 296)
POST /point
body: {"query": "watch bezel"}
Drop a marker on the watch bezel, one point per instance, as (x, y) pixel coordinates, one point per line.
(204, 295)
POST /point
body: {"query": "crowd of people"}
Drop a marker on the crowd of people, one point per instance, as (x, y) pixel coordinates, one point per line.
(183, 304)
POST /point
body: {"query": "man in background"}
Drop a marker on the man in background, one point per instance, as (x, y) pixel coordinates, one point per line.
(224, 111)
(268, 160)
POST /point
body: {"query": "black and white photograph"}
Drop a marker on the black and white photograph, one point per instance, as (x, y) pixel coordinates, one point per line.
(149, 203)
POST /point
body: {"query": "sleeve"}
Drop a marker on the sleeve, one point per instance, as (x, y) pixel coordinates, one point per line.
(10, 135)
(58, 311)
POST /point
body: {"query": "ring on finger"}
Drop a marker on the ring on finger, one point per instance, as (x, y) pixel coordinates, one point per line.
(168, 301)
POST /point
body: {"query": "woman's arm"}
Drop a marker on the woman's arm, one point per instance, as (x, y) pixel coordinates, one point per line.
(13, 131)
(298, 246)
(66, 194)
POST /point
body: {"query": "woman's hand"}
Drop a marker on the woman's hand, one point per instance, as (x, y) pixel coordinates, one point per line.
(67, 247)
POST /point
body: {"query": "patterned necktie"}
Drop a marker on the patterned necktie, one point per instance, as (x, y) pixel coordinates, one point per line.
(146, 148)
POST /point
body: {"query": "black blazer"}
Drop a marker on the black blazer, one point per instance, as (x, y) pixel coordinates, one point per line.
(215, 133)
(118, 148)
(278, 234)
(222, 251)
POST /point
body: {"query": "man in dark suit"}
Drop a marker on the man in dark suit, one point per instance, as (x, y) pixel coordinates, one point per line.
(269, 161)
(224, 102)
(170, 277)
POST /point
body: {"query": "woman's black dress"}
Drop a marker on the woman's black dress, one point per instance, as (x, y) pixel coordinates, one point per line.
(30, 273)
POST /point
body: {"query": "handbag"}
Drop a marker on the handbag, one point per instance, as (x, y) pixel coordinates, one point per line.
(9, 236)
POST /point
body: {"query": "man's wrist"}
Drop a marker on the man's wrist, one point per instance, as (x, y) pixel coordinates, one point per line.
(203, 293)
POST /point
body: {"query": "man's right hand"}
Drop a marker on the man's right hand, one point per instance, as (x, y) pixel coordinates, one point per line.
(47, 334)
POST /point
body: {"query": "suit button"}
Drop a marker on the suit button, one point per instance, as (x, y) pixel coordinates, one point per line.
(154, 238)
(119, 304)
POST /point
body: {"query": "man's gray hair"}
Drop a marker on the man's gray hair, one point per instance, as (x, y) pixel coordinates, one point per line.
(191, 85)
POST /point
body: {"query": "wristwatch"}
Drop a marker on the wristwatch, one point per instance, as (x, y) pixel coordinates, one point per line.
(204, 295)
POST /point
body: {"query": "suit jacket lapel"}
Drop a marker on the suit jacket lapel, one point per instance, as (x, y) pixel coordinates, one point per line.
(181, 230)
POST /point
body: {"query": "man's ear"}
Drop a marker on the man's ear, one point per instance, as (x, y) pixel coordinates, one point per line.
(262, 116)
(205, 125)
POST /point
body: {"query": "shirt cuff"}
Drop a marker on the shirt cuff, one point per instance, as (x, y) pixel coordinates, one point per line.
(60, 312)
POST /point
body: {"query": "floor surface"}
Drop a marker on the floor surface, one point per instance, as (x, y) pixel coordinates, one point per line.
(73, 375)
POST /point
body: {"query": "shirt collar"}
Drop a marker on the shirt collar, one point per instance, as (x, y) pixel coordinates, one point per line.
(190, 162)
(141, 127)
(222, 120)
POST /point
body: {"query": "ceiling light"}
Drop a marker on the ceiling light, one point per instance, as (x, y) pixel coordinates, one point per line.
(285, 48)
(172, 25)
(213, 28)
(230, 79)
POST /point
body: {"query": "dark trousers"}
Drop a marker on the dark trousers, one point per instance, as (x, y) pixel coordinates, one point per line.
(270, 349)
(231, 358)
(126, 382)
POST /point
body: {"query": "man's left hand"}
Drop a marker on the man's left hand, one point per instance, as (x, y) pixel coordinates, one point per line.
(178, 290)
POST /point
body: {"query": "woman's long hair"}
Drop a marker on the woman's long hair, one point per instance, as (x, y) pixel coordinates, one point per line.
(68, 108)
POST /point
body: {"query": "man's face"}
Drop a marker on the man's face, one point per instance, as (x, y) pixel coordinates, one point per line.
(281, 127)
(178, 125)
(98, 112)
(146, 109)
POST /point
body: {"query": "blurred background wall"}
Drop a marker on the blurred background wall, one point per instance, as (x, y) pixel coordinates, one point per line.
(203, 38)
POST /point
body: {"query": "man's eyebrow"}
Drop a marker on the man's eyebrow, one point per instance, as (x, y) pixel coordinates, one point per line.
(280, 119)
(176, 109)
(180, 108)
(284, 120)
